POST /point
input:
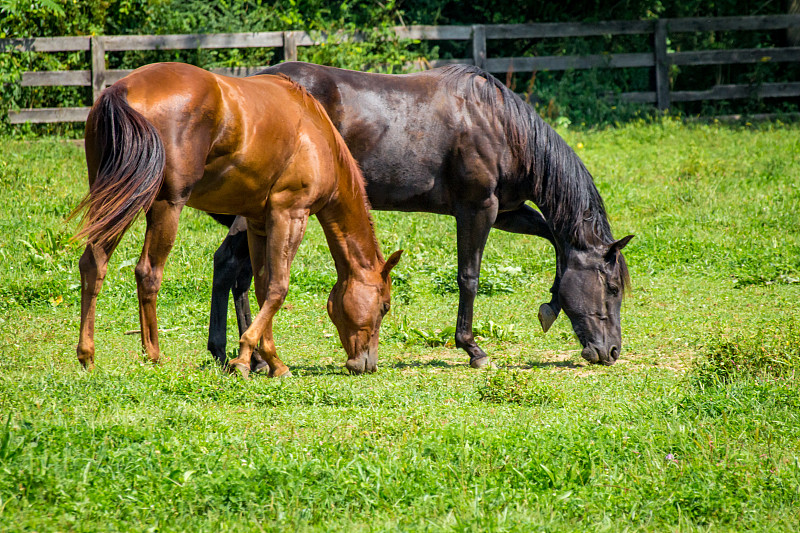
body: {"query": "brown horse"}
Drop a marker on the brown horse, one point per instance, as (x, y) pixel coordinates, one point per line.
(170, 135)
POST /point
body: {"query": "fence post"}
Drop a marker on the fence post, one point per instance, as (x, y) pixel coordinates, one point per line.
(479, 45)
(289, 46)
(98, 52)
(661, 66)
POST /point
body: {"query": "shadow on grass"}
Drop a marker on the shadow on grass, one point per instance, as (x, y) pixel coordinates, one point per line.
(336, 368)
(317, 370)
(553, 364)
(435, 363)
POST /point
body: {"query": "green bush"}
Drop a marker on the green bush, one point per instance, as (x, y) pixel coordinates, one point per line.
(47, 18)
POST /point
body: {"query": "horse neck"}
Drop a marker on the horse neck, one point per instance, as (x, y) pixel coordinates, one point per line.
(563, 189)
(348, 228)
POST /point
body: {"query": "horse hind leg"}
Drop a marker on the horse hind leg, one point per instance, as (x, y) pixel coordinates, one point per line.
(233, 274)
(226, 271)
(162, 227)
(93, 266)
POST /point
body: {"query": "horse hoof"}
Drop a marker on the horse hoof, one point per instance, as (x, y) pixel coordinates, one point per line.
(281, 373)
(546, 316)
(481, 362)
(242, 370)
(261, 366)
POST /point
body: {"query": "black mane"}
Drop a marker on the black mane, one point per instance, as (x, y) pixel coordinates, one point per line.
(562, 187)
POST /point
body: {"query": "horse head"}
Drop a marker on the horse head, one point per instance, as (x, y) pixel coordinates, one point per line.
(592, 286)
(357, 305)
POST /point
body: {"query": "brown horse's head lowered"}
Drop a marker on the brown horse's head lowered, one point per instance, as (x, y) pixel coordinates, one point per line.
(351, 306)
(171, 135)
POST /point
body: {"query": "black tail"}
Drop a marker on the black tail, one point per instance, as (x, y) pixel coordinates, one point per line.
(131, 168)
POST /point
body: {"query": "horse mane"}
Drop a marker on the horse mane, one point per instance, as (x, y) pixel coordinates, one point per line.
(562, 187)
(342, 153)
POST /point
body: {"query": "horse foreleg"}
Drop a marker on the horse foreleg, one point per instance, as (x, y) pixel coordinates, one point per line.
(240, 290)
(224, 280)
(93, 266)
(162, 226)
(232, 274)
(272, 250)
(528, 221)
(221, 285)
(472, 230)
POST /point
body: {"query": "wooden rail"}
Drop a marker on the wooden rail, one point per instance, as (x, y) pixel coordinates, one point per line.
(659, 58)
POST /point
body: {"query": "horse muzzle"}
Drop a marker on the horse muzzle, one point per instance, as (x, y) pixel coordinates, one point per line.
(599, 356)
(365, 362)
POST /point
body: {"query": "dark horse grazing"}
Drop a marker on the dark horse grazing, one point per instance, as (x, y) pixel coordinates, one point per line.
(171, 135)
(456, 141)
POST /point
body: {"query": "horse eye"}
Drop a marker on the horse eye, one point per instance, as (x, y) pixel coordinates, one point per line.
(386, 307)
(614, 290)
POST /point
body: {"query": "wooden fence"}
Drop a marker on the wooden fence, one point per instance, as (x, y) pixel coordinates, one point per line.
(659, 58)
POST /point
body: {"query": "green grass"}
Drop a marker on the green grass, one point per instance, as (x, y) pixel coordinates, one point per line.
(696, 428)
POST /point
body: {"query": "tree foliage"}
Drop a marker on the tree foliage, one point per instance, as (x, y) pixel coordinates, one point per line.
(576, 94)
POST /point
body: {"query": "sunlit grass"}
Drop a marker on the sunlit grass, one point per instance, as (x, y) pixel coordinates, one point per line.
(694, 428)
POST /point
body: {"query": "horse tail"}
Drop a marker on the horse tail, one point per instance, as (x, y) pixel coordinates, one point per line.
(131, 158)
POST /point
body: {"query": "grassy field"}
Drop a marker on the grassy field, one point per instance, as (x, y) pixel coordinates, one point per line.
(696, 428)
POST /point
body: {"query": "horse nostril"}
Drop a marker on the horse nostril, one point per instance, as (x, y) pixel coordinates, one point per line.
(590, 355)
(614, 353)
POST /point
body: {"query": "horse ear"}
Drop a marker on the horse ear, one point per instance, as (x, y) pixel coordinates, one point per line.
(616, 246)
(391, 263)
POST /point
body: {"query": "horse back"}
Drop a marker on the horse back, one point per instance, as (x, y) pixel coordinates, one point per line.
(229, 141)
(418, 143)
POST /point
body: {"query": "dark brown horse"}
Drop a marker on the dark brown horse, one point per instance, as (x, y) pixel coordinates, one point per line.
(456, 141)
(171, 135)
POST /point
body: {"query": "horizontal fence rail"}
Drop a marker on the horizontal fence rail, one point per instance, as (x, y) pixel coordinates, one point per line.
(659, 58)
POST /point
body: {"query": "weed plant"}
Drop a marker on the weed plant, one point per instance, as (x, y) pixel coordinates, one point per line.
(772, 351)
(517, 387)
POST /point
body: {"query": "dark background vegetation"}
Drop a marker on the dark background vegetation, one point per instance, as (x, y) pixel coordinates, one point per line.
(574, 95)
